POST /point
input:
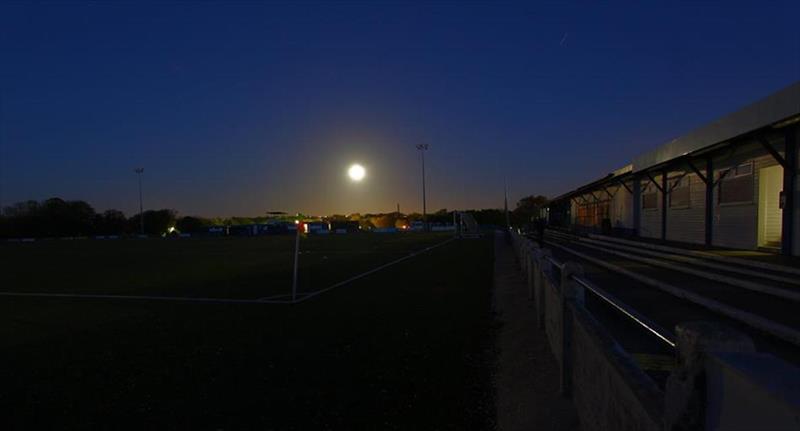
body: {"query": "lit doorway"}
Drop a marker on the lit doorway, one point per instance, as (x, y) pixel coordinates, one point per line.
(770, 217)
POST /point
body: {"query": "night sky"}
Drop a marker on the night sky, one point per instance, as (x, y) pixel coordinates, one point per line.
(237, 109)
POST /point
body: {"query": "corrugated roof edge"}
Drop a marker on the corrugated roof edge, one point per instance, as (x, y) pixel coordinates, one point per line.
(614, 176)
(775, 108)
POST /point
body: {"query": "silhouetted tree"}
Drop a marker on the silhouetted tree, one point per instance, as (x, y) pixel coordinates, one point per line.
(156, 222)
(441, 216)
(111, 222)
(191, 224)
(53, 217)
(415, 217)
(528, 209)
(22, 219)
(234, 221)
(490, 217)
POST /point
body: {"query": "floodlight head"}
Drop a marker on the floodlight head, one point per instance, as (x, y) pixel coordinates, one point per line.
(139, 170)
(422, 147)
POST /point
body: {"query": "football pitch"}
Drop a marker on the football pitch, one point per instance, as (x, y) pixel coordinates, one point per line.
(235, 268)
(406, 347)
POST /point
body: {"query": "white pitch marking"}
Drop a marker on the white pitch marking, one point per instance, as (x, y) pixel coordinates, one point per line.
(264, 300)
(372, 271)
(142, 298)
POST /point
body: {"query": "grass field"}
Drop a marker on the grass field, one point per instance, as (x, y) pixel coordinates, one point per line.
(409, 347)
(243, 267)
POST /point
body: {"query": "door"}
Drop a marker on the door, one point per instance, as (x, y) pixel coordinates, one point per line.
(770, 217)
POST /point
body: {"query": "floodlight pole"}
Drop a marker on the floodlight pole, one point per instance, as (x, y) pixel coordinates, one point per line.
(141, 212)
(422, 148)
(505, 203)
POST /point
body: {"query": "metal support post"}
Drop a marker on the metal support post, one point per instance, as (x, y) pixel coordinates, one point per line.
(709, 213)
(637, 205)
(664, 205)
(789, 189)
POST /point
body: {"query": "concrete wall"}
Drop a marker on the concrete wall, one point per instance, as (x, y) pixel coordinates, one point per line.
(609, 390)
(553, 323)
(742, 383)
(719, 383)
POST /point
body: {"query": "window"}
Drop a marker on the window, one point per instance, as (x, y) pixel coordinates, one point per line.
(744, 169)
(592, 214)
(680, 195)
(738, 185)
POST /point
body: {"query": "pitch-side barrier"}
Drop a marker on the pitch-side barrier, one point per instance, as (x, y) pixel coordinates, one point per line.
(718, 382)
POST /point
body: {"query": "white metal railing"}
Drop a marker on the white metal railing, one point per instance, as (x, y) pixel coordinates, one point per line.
(626, 310)
(554, 262)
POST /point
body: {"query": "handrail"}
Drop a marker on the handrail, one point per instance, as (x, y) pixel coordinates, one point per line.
(625, 309)
(555, 263)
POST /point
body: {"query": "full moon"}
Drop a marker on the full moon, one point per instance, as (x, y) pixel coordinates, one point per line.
(356, 172)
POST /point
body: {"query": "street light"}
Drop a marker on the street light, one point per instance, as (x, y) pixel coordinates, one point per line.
(141, 212)
(422, 148)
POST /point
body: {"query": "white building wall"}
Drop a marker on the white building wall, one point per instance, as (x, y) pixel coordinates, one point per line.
(688, 224)
(621, 208)
(651, 218)
(736, 224)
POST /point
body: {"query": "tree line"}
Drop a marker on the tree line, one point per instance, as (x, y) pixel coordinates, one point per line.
(56, 217)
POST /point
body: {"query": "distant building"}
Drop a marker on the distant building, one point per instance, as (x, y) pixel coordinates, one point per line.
(417, 226)
(218, 230)
(279, 228)
(317, 227)
(344, 226)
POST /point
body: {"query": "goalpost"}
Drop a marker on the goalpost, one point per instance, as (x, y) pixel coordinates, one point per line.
(468, 226)
(470, 230)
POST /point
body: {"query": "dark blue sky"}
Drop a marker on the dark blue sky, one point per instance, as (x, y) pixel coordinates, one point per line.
(236, 109)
